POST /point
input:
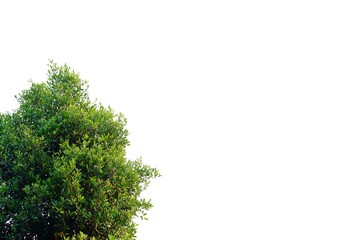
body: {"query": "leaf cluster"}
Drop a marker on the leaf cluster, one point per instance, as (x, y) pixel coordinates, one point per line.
(63, 166)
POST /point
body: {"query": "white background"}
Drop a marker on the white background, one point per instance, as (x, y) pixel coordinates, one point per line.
(250, 109)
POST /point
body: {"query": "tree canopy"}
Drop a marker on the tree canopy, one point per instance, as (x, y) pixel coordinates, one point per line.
(63, 165)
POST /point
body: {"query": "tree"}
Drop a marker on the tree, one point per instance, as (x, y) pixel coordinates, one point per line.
(63, 165)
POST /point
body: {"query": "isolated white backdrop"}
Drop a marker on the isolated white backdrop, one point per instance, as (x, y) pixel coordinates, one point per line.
(250, 109)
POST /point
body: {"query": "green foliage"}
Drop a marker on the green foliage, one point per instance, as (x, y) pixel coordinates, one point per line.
(63, 166)
(83, 236)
